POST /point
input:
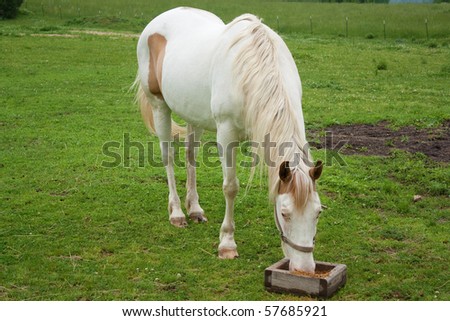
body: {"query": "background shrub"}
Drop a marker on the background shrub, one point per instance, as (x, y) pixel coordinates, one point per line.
(9, 8)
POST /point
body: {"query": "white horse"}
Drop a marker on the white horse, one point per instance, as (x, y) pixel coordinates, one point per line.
(241, 81)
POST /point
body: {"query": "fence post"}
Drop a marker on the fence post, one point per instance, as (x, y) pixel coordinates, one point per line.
(278, 24)
(346, 27)
(310, 24)
(384, 29)
(426, 27)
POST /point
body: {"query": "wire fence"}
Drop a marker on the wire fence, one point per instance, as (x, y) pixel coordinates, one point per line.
(344, 20)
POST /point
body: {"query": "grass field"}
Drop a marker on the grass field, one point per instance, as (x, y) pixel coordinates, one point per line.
(373, 20)
(72, 229)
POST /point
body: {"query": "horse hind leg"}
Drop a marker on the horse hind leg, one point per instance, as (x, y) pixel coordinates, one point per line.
(163, 128)
(157, 116)
(193, 208)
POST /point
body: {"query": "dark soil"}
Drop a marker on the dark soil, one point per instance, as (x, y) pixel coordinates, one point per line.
(380, 139)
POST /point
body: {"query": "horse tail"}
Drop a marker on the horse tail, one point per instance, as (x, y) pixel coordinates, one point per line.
(145, 107)
(147, 111)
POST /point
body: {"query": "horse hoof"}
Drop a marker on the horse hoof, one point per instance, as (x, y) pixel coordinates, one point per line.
(178, 221)
(198, 217)
(228, 254)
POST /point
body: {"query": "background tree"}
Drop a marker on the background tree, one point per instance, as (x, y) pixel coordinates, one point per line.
(9, 8)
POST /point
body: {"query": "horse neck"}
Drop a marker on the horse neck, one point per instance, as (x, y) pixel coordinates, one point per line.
(266, 74)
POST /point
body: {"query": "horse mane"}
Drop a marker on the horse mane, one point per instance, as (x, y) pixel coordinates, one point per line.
(268, 107)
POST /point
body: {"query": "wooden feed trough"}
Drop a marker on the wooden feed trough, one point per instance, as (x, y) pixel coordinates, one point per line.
(327, 279)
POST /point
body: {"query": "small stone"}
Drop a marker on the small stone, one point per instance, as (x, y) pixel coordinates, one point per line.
(417, 198)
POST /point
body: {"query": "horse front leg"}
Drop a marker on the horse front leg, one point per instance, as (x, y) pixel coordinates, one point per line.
(163, 128)
(193, 208)
(227, 141)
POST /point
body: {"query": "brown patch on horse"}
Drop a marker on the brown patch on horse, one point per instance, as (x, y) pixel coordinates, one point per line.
(157, 46)
(286, 178)
(285, 187)
(285, 172)
(315, 172)
(296, 183)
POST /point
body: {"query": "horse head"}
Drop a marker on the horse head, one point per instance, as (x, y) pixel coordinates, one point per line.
(297, 210)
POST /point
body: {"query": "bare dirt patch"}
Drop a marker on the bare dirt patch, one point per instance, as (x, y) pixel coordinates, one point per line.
(77, 33)
(380, 139)
(55, 35)
(108, 33)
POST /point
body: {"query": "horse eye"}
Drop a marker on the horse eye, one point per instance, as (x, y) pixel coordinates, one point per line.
(285, 215)
(318, 214)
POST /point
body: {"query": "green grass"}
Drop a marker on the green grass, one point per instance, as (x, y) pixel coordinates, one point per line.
(351, 81)
(401, 21)
(71, 229)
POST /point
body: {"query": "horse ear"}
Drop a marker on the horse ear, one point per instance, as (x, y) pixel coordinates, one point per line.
(316, 171)
(285, 171)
